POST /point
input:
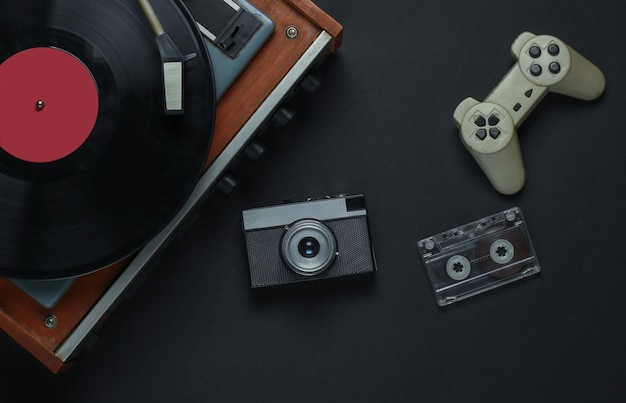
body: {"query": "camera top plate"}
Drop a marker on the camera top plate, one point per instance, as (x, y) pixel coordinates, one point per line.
(323, 209)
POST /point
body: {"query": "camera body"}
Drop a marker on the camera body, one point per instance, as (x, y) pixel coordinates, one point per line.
(309, 240)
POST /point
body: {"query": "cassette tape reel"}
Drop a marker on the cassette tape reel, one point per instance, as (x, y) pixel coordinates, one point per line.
(479, 256)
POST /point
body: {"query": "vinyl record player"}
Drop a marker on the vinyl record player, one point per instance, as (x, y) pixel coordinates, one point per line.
(172, 93)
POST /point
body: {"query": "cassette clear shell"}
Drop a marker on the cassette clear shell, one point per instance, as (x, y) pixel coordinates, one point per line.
(478, 256)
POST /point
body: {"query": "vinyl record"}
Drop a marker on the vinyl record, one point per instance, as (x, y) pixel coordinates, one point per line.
(91, 168)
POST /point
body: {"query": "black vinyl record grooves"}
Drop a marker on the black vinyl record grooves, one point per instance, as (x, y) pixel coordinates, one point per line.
(106, 198)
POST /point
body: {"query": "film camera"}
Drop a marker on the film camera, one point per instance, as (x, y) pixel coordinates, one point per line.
(308, 240)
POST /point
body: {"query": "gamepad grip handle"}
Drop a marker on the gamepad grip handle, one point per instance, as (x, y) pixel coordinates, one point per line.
(583, 81)
(504, 169)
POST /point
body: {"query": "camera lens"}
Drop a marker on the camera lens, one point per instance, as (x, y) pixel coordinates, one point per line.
(308, 247)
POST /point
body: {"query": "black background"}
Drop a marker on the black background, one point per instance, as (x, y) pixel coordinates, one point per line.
(381, 124)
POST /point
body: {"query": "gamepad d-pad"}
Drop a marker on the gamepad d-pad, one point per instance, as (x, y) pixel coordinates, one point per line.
(488, 129)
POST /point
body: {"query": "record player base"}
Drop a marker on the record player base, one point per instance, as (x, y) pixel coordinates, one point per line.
(55, 336)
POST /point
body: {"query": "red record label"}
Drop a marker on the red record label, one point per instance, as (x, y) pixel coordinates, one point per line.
(48, 104)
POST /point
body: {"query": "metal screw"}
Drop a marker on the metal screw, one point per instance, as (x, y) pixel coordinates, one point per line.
(39, 105)
(291, 32)
(50, 321)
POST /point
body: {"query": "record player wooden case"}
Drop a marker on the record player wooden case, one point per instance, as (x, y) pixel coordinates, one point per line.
(55, 336)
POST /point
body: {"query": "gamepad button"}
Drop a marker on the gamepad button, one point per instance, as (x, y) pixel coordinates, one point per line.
(535, 70)
(493, 120)
(494, 132)
(554, 49)
(555, 68)
(481, 134)
(480, 121)
(534, 52)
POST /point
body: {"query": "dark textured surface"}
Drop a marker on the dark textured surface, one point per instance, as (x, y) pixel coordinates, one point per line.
(381, 124)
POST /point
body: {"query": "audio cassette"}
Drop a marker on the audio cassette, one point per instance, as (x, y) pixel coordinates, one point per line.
(478, 256)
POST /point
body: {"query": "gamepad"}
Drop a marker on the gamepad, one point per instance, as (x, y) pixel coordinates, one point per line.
(489, 129)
